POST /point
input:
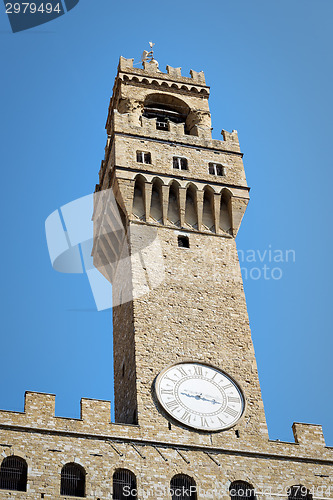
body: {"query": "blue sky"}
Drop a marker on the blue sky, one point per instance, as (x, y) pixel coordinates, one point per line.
(269, 66)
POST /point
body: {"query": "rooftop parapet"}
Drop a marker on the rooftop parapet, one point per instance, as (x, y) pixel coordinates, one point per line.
(95, 420)
(308, 434)
(94, 410)
(41, 406)
(197, 77)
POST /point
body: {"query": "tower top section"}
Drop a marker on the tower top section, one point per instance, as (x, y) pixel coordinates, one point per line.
(150, 66)
(150, 93)
(145, 100)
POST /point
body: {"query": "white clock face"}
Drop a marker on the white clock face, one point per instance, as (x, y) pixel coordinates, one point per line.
(200, 396)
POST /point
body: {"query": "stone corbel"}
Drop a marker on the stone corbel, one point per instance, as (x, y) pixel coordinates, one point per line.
(237, 207)
(165, 203)
(147, 198)
(217, 211)
(182, 204)
(200, 200)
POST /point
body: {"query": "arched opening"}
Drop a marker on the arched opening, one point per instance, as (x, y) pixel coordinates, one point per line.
(183, 487)
(173, 205)
(241, 490)
(124, 485)
(191, 217)
(138, 201)
(208, 211)
(73, 480)
(299, 492)
(225, 212)
(13, 474)
(156, 202)
(165, 108)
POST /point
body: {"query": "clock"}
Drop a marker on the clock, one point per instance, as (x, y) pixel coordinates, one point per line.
(199, 396)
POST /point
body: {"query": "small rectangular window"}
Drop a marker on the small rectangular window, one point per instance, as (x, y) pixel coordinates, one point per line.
(179, 163)
(162, 124)
(143, 157)
(183, 242)
(216, 169)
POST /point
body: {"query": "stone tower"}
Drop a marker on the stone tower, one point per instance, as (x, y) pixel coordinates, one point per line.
(188, 406)
(177, 187)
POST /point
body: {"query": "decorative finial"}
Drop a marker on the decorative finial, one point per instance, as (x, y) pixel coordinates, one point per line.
(148, 56)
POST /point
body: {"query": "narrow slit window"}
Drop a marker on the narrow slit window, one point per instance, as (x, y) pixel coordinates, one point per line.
(143, 157)
(179, 163)
(216, 169)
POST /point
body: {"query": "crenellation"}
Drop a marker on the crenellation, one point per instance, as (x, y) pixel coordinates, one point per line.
(125, 64)
(174, 72)
(39, 404)
(95, 411)
(198, 76)
(308, 434)
(231, 137)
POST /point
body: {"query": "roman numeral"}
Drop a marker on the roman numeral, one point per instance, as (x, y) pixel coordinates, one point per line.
(171, 379)
(226, 386)
(231, 411)
(167, 391)
(231, 399)
(221, 421)
(172, 405)
(204, 422)
(187, 417)
(197, 370)
(182, 371)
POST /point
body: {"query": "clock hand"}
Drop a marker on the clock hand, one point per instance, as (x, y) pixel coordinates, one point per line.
(211, 401)
(199, 396)
(196, 396)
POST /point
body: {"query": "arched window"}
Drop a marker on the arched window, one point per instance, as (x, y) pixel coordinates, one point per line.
(183, 487)
(173, 207)
(124, 485)
(13, 474)
(165, 108)
(241, 490)
(191, 217)
(138, 202)
(73, 480)
(156, 205)
(208, 211)
(225, 218)
(298, 492)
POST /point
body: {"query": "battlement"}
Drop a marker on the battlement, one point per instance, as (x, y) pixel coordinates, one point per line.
(41, 406)
(95, 419)
(308, 434)
(126, 66)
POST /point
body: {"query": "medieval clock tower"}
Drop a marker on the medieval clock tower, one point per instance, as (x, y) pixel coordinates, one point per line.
(190, 421)
(182, 345)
